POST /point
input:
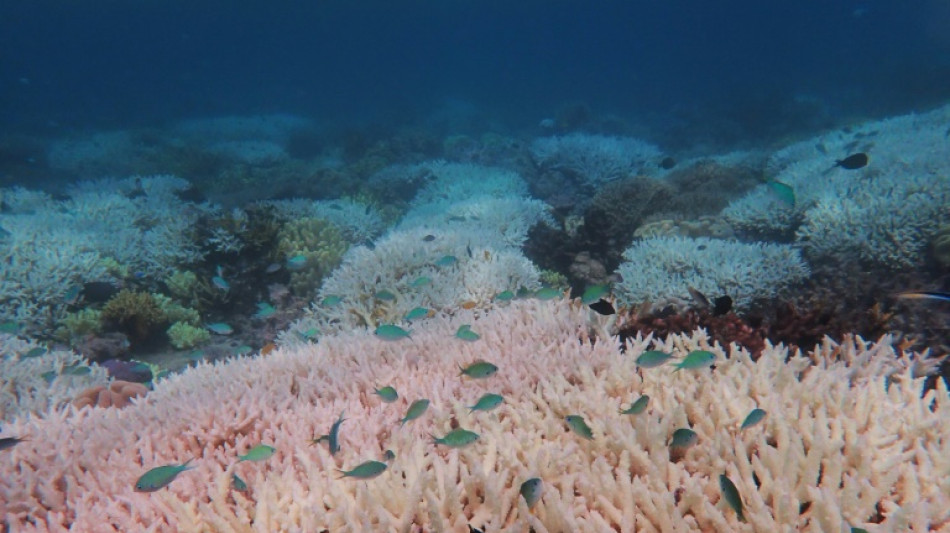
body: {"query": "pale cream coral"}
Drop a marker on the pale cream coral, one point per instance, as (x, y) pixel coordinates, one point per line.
(847, 436)
(36, 384)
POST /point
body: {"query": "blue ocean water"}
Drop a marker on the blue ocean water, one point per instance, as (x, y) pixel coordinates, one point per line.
(684, 69)
(188, 182)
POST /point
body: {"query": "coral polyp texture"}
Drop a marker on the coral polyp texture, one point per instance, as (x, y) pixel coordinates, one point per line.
(851, 437)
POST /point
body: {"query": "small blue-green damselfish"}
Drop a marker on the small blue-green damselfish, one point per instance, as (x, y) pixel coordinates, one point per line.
(577, 425)
(755, 416)
(505, 296)
(238, 484)
(258, 453)
(421, 281)
(731, 494)
(264, 310)
(334, 435)
(593, 293)
(416, 410)
(683, 438)
(417, 313)
(637, 407)
(220, 283)
(653, 358)
(367, 470)
(784, 191)
(385, 295)
(547, 293)
(487, 402)
(160, 476)
(696, 359)
(387, 394)
(466, 334)
(220, 328)
(35, 352)
(457, 438)
(391, 332)
(531, 491)
(478, 370)
(331, 301)
(297, 262)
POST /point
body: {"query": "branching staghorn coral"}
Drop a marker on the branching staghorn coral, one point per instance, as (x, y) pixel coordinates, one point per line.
(881, 215)
(482, 265)
(664, 268)
(851, 436)
(34, 379)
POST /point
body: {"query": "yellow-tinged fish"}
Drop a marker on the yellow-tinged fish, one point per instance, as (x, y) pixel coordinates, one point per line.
(924, 295)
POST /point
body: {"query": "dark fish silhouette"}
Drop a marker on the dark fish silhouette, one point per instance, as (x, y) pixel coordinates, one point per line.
(9, 442)
(603, 307)
(667, 163)
(722, 305)
(98, 291)
(853, 161)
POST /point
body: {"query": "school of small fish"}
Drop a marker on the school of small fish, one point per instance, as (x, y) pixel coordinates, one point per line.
(531, 490)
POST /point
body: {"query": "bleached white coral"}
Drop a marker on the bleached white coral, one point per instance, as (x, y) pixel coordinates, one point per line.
(139, 221)
(45, 255)
(882, 214)
(852, 434)
(483, 265)
(31, 383)
(359, 222)
(664, 268)
(456, 181)
(597, 158)
(462, 195)
(885, 221)
(51, 246)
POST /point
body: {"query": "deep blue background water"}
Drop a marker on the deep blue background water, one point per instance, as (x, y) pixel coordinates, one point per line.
(688, 64)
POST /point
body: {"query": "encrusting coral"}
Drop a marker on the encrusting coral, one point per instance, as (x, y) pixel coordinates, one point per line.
(118, 394)
(851, 436)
